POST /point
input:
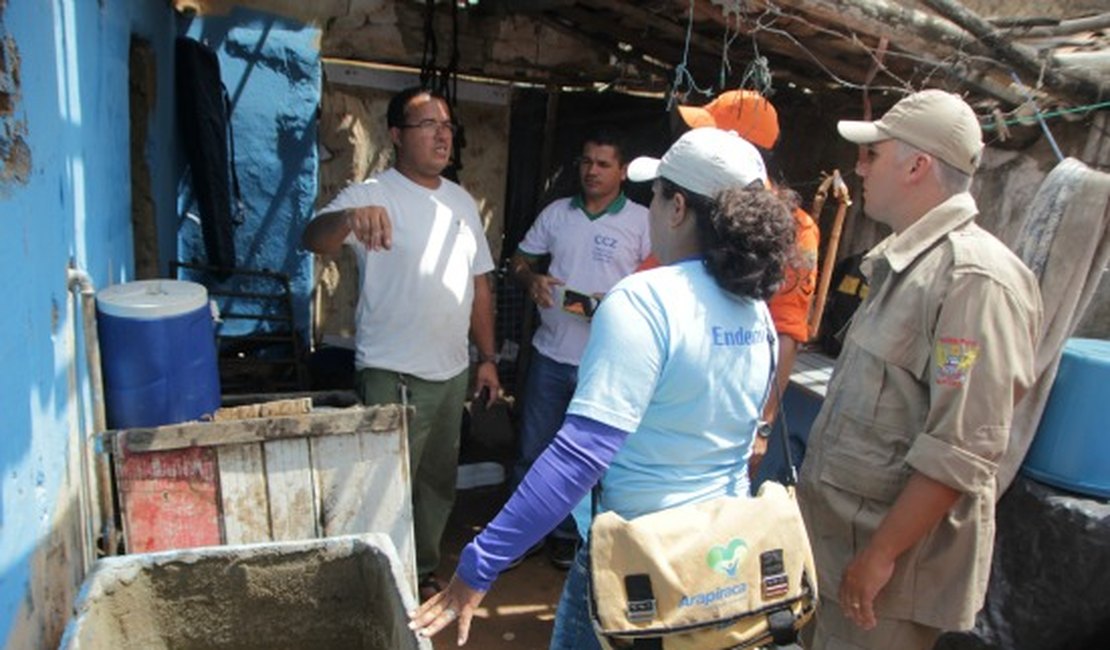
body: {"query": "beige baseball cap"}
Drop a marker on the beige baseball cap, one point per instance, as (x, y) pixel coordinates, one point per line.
(934, 121)
(705, 161)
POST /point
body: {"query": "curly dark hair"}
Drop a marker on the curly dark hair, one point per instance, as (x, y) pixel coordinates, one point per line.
(746, 235)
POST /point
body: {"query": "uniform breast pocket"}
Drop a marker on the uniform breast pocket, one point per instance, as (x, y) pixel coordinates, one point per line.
(890, 386)
(466, 242)
(898, 343)
(867, 460)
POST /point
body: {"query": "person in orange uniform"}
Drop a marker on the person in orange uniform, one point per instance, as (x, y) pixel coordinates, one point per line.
(753, 118)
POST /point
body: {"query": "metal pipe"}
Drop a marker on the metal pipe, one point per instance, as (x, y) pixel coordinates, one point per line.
(103, 511)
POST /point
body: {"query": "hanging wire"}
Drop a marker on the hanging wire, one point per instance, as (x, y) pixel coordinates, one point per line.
(431, 47)
(930, 66)
(731, 15)
(1037, 113)
(681, 71)
(757, 76)
(1086, 108)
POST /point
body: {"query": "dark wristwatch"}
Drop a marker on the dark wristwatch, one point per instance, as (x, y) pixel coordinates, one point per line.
(763, 429)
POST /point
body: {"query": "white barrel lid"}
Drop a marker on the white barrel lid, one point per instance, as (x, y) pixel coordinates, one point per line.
(151, 299)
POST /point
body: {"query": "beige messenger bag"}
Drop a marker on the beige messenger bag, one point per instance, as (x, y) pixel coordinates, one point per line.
(729, 572)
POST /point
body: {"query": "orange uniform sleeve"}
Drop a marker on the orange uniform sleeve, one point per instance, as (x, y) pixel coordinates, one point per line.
(790, 304)
(650, 262)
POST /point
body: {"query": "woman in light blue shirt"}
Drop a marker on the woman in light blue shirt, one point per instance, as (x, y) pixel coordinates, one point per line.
(673, 379)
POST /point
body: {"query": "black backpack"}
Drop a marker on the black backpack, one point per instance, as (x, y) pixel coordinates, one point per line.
(847, 289)
(203, 110)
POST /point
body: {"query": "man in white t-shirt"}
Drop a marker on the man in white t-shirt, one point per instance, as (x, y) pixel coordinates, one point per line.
(423, 259)
(594, 239)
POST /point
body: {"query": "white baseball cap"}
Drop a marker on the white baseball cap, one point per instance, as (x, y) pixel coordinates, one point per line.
(934, 121)
(705, 161)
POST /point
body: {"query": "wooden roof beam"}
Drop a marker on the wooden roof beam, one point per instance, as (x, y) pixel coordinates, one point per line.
(1057, 28)
(930, 38)
(1074, 83)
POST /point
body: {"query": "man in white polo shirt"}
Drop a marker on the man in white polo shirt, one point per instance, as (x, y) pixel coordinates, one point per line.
(594, 239)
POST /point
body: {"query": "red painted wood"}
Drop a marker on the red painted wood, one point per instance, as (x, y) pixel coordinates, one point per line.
(169, 499)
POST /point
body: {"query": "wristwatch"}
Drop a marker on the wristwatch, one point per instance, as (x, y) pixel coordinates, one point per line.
(763, 429)
(489, 358)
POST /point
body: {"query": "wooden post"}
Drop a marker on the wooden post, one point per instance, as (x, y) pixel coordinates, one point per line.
(840, 191)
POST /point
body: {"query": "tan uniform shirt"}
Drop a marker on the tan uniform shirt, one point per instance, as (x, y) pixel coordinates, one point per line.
(932, 365)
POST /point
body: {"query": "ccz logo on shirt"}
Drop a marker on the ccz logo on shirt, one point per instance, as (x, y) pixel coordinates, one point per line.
(605, 249)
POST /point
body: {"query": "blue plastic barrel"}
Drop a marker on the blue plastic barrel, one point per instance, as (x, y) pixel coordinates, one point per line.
(1072, 447)
(158, 353)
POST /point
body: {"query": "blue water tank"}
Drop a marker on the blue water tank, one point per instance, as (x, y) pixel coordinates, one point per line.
(158, 353)
(1072, 447)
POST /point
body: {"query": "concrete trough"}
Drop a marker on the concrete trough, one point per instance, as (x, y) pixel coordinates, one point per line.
(341, 593)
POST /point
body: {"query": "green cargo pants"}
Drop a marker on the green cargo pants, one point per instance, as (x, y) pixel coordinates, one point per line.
(433, 448)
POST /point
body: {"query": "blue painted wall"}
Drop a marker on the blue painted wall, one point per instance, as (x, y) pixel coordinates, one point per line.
(271, 68)
(67, 87)
(66, 116)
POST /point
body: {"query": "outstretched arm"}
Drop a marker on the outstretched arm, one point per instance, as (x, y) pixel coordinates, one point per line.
(558, 480)
(370, 224)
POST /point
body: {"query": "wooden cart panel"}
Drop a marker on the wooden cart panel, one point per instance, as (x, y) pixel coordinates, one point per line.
(320, 474)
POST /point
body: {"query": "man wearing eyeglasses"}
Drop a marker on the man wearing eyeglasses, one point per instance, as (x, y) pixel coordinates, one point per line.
(423, 259)
(594, 239)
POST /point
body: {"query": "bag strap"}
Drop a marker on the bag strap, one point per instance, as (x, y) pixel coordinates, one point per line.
(792, 473)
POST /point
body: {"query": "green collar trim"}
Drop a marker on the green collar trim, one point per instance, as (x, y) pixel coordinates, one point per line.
(614, 207)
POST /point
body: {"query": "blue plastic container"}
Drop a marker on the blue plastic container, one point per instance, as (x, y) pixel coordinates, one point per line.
(1072, 447)
(158, 353)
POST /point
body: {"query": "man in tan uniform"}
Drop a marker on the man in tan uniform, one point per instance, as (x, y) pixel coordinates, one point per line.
(898, 486)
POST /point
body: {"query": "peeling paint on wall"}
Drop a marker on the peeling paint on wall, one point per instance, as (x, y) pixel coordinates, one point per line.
(15, 155)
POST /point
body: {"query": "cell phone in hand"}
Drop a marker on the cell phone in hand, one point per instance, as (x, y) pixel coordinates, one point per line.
(581, 304)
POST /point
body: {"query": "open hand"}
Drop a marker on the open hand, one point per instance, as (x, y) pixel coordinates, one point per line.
(456, 602)
(542, 289)
(863, 579)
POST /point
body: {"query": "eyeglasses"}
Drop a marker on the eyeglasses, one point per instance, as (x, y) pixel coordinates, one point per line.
(433, 126)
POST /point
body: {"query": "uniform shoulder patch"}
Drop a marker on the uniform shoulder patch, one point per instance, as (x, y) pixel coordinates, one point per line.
(954, 358)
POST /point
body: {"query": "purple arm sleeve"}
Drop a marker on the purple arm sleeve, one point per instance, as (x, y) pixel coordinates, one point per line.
(560, 477)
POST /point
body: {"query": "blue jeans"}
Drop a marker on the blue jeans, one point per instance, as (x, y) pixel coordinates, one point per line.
(547, 393)
(573, 628)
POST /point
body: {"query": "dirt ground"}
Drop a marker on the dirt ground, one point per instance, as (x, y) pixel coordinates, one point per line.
(519, 610)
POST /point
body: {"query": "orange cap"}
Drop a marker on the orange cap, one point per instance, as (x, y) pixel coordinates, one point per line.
(744, 111)
(696, 116)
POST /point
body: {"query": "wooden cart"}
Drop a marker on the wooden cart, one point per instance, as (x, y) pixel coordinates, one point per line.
(319, 474)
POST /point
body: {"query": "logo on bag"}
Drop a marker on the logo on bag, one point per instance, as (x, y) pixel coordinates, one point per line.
(772, 569)
(727, 559)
